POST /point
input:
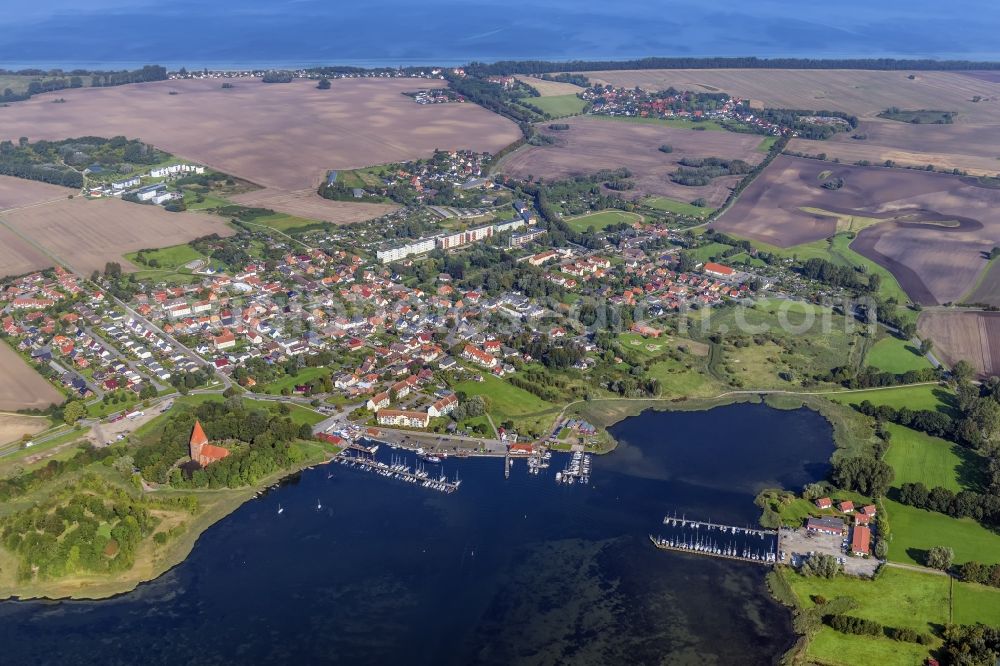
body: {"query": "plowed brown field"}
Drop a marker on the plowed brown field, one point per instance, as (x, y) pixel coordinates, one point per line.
(592, 144)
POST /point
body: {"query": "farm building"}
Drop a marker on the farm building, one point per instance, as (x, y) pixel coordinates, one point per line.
(825, 525)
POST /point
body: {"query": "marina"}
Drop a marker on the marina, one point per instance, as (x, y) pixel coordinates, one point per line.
(400, 470)
(745, 544)
(577, 471)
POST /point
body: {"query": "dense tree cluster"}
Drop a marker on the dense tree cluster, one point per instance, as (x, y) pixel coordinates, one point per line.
(835, 275)
(698, 171)
(821, 565)
(869, 377)
(848, 624)
(17, 486)
(259, 442)
(50, 81)
(65, 535)
(804, 122)
(554, 354)
(277, 77)
(63, 162)
(976, 645)
(865, 474)
(566, 77)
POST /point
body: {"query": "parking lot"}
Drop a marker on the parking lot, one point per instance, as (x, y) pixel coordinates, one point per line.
(800, 544)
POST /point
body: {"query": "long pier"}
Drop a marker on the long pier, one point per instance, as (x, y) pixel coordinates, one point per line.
(674, 521)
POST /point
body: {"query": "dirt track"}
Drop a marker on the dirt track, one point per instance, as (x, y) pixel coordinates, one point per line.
(17, 192)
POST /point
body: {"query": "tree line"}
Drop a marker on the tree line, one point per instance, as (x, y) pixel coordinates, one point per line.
(507, 67)
(75, 80)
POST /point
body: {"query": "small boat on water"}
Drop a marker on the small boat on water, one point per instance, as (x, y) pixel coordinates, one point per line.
(281, 509)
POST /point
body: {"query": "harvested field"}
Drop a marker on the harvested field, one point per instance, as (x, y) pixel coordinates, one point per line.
(987, 291)
(18, 256)
(308, 204)
(934, 238)
(85, 234)
(859, 92)
(970, 147)
(15, 426)
(972, 336)
(594, 143)
(550, 88)
(17, 192)
(283, 136)
(22, 387)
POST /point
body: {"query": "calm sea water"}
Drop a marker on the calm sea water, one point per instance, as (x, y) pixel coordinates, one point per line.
(518, 571)
(241, 33)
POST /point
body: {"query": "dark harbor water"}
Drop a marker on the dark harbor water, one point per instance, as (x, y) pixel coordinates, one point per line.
(501, 572)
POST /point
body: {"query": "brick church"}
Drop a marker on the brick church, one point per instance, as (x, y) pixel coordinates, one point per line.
(202, 452)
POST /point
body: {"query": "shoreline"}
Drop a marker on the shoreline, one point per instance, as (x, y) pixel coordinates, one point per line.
(604, 413)
(96, 588)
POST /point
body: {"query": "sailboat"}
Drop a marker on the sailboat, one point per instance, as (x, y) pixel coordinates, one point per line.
(281, 509)
(318, 505)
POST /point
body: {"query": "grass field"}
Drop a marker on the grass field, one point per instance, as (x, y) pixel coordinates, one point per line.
(804, 341)
(679, 123)
(924, 396)
(897, 356)
(766, 145)
(829, 647)
(304, 376)
(706, 252)
(167, 258)
(282, 221)
(915, 531)
(207, 201)
(678, 207)
(897, 598)
(602, 220)
(973, 603)
(837, 251)
(917, 457)
(526, 410)
(558, 105)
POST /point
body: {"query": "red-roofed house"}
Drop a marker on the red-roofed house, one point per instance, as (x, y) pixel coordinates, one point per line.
(861, 538)
(477, 355)
(847, 506)
(824, 503)
(718, 269)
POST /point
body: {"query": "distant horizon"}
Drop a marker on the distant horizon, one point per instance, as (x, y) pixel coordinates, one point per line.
(375, 63)
(269, 33)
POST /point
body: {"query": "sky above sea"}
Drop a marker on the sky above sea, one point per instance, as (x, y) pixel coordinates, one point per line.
(234, 33)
